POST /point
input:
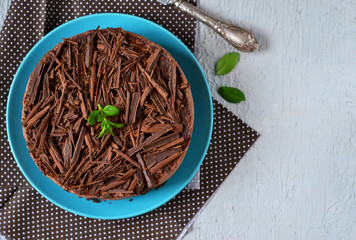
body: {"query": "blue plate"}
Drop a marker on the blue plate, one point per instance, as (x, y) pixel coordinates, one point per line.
(203, 121)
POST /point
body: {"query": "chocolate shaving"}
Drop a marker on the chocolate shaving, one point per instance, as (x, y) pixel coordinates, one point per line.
(149, 179)
(127, 112)
(36, 81)
(161, 141)
(32, 112)
(172, 144)
(53, 151)
(149, 140)
(78, 146)
(88, 142)
(43, 138)
(140, 181)
(152, 60)
(160, 156)
(173, 85)
(70, 41)
(64, 88)
(48, 166)
(119, 181)
(101, 36)
(163, 163)
(82, 105)
(133, 107)
(72, 80)
(126, 157)
(93, 77)
(117, 82)
(35, 118)
(42, 132)
(45, 87)
(67, 152)
(89, 52)
(157, 103)
(133, 184)
(144, 95)
(154, 128)
(159, 89)
(117, 141)
(48, 100)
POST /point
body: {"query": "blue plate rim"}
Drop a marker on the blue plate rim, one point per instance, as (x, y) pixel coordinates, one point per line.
(9, 123)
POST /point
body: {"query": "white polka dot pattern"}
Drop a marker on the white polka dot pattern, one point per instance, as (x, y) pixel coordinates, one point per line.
(28, 215)
(25, 214)
(5, 194)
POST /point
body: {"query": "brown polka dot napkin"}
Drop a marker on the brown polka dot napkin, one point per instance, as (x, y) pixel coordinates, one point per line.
(25, 214)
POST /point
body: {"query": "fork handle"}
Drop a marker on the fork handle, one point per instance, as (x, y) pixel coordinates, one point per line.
(240, 38)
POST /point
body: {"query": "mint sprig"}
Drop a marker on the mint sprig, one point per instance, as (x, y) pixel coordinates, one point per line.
(101, 115)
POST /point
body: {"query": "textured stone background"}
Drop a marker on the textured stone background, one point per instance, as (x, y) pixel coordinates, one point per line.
(299, 179)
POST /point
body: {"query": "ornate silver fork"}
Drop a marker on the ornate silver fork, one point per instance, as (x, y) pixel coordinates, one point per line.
(240, 38)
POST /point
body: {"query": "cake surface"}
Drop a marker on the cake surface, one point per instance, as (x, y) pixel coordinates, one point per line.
(108, 67)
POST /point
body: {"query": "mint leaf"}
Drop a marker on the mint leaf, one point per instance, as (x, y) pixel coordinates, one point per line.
(116, 125)
(103, 129)
(108, 130)
(100, 108)
(111, 110)
(93, 117)
(111, 132)
(101, 117)
(232, 95)
(227, 63)
(105, 124)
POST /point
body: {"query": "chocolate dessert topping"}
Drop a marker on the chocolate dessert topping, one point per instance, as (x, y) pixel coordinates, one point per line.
(108, 67)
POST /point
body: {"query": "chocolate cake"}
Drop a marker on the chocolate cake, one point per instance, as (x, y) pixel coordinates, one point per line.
(108, 67)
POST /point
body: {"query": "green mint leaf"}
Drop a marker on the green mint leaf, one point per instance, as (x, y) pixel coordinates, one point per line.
(116, 125)
(232, 95)
(111, 110)
(101, 117)
(111, 132)
(104, 124)
(105, 128)
(100, 108)
(93, 117)
(227, 63)
(108, 130)
(102, 132)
